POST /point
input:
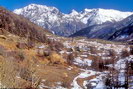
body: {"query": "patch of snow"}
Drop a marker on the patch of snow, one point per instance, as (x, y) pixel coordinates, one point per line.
(98, 82)
(122, 37)
(83, 55)
(18, 77)
(41, 47)
(84, 74)
(82, 62)
(59, 87)
(70, 68)
(61, 52)
(2, 86)
(42, 86)
(100, 85)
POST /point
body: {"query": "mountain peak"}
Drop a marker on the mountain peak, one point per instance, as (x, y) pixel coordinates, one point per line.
(36, 7)
(88, 10)
(100, 16)
(74, 12)
(41, 6)
(34, 4)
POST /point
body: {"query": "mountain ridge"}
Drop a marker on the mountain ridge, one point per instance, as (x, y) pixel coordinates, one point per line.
(66, 24)
(121, 30)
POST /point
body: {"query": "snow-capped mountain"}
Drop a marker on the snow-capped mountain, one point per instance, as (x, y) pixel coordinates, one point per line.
(66, 24)
(125, 32)
(121, 30)
(100, 16)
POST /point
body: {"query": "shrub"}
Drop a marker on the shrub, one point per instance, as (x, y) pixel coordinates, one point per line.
(8, 72)
(47, 53)
(71, 57)
(125, 53)
(2, 50)
(43, 52)
(93, 50)
(100, 64)
(40, 52)
(30, 44)
(65, 84)
(21, 45)
(3, 37)
(25, 74)
(131, 50)
(55, 45)
(108, 81)
(70, 49)
(56, 58)
(21, 56)
(77, 49)
(17, 55)
(112, 53)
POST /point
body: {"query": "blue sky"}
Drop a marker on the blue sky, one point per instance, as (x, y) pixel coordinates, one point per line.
(67, 5)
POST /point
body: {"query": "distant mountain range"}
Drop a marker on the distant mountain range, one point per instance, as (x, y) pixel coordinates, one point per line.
(125, 33)
(92, 23)
(120, 31)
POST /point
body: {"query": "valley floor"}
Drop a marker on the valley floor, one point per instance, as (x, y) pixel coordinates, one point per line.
(80, 64)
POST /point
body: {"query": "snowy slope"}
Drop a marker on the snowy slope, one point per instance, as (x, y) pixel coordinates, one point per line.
(67, 24)
(121, 30)
(100, 16)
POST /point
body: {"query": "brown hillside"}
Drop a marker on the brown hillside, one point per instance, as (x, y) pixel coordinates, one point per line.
(20, 26)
